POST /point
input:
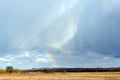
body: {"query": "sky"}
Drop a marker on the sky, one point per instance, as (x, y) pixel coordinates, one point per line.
(59, 33)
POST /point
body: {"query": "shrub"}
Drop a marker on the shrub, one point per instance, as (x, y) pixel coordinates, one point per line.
(2, 71)
(17, 70)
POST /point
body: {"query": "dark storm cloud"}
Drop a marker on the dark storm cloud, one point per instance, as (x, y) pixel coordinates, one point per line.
(98, 30)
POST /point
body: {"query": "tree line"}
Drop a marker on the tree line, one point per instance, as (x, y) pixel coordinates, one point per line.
(10, 69)
(113, 69)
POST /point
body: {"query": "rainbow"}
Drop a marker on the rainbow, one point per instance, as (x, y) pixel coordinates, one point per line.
(50, 57)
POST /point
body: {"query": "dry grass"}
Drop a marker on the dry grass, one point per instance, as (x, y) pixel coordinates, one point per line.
(62, 76)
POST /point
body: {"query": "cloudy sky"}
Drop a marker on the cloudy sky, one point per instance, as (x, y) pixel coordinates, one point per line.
(59, 33)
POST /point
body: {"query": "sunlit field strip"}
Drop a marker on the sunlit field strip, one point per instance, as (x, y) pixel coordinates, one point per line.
(62, 76)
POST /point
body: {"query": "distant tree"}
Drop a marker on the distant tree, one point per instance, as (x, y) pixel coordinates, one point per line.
(9, 69)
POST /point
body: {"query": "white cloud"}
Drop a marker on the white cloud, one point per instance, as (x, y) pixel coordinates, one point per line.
(106, 58)
(24, 57)
(41, 60)
(5, 60)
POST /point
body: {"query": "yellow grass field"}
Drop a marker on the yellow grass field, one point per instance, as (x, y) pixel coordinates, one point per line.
(62, 76)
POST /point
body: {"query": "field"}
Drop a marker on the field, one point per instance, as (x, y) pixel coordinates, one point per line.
(62, 76)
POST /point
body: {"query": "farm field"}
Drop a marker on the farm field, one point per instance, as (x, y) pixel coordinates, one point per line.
(62, 76)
